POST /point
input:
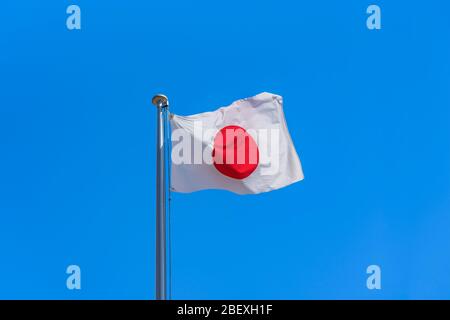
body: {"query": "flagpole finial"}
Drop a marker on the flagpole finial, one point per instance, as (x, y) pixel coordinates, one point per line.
(160, 100)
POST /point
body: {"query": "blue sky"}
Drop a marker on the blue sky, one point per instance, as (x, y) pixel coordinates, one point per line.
(368, 112)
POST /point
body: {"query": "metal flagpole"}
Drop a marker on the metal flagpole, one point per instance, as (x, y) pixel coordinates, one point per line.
(162, 104)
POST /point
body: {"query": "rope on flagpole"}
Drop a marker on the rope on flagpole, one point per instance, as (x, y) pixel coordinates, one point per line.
(169, 213)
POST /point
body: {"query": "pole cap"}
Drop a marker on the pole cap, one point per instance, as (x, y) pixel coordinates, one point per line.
(160, 100)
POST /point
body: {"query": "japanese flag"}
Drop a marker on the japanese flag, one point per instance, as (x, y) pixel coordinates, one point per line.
(244, 148)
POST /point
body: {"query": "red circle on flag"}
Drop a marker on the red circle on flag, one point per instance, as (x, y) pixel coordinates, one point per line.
(235, 152)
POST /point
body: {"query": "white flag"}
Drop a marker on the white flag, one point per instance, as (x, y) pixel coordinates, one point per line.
(244, 148)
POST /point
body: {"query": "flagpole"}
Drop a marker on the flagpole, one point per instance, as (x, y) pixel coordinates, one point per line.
(161, 102)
